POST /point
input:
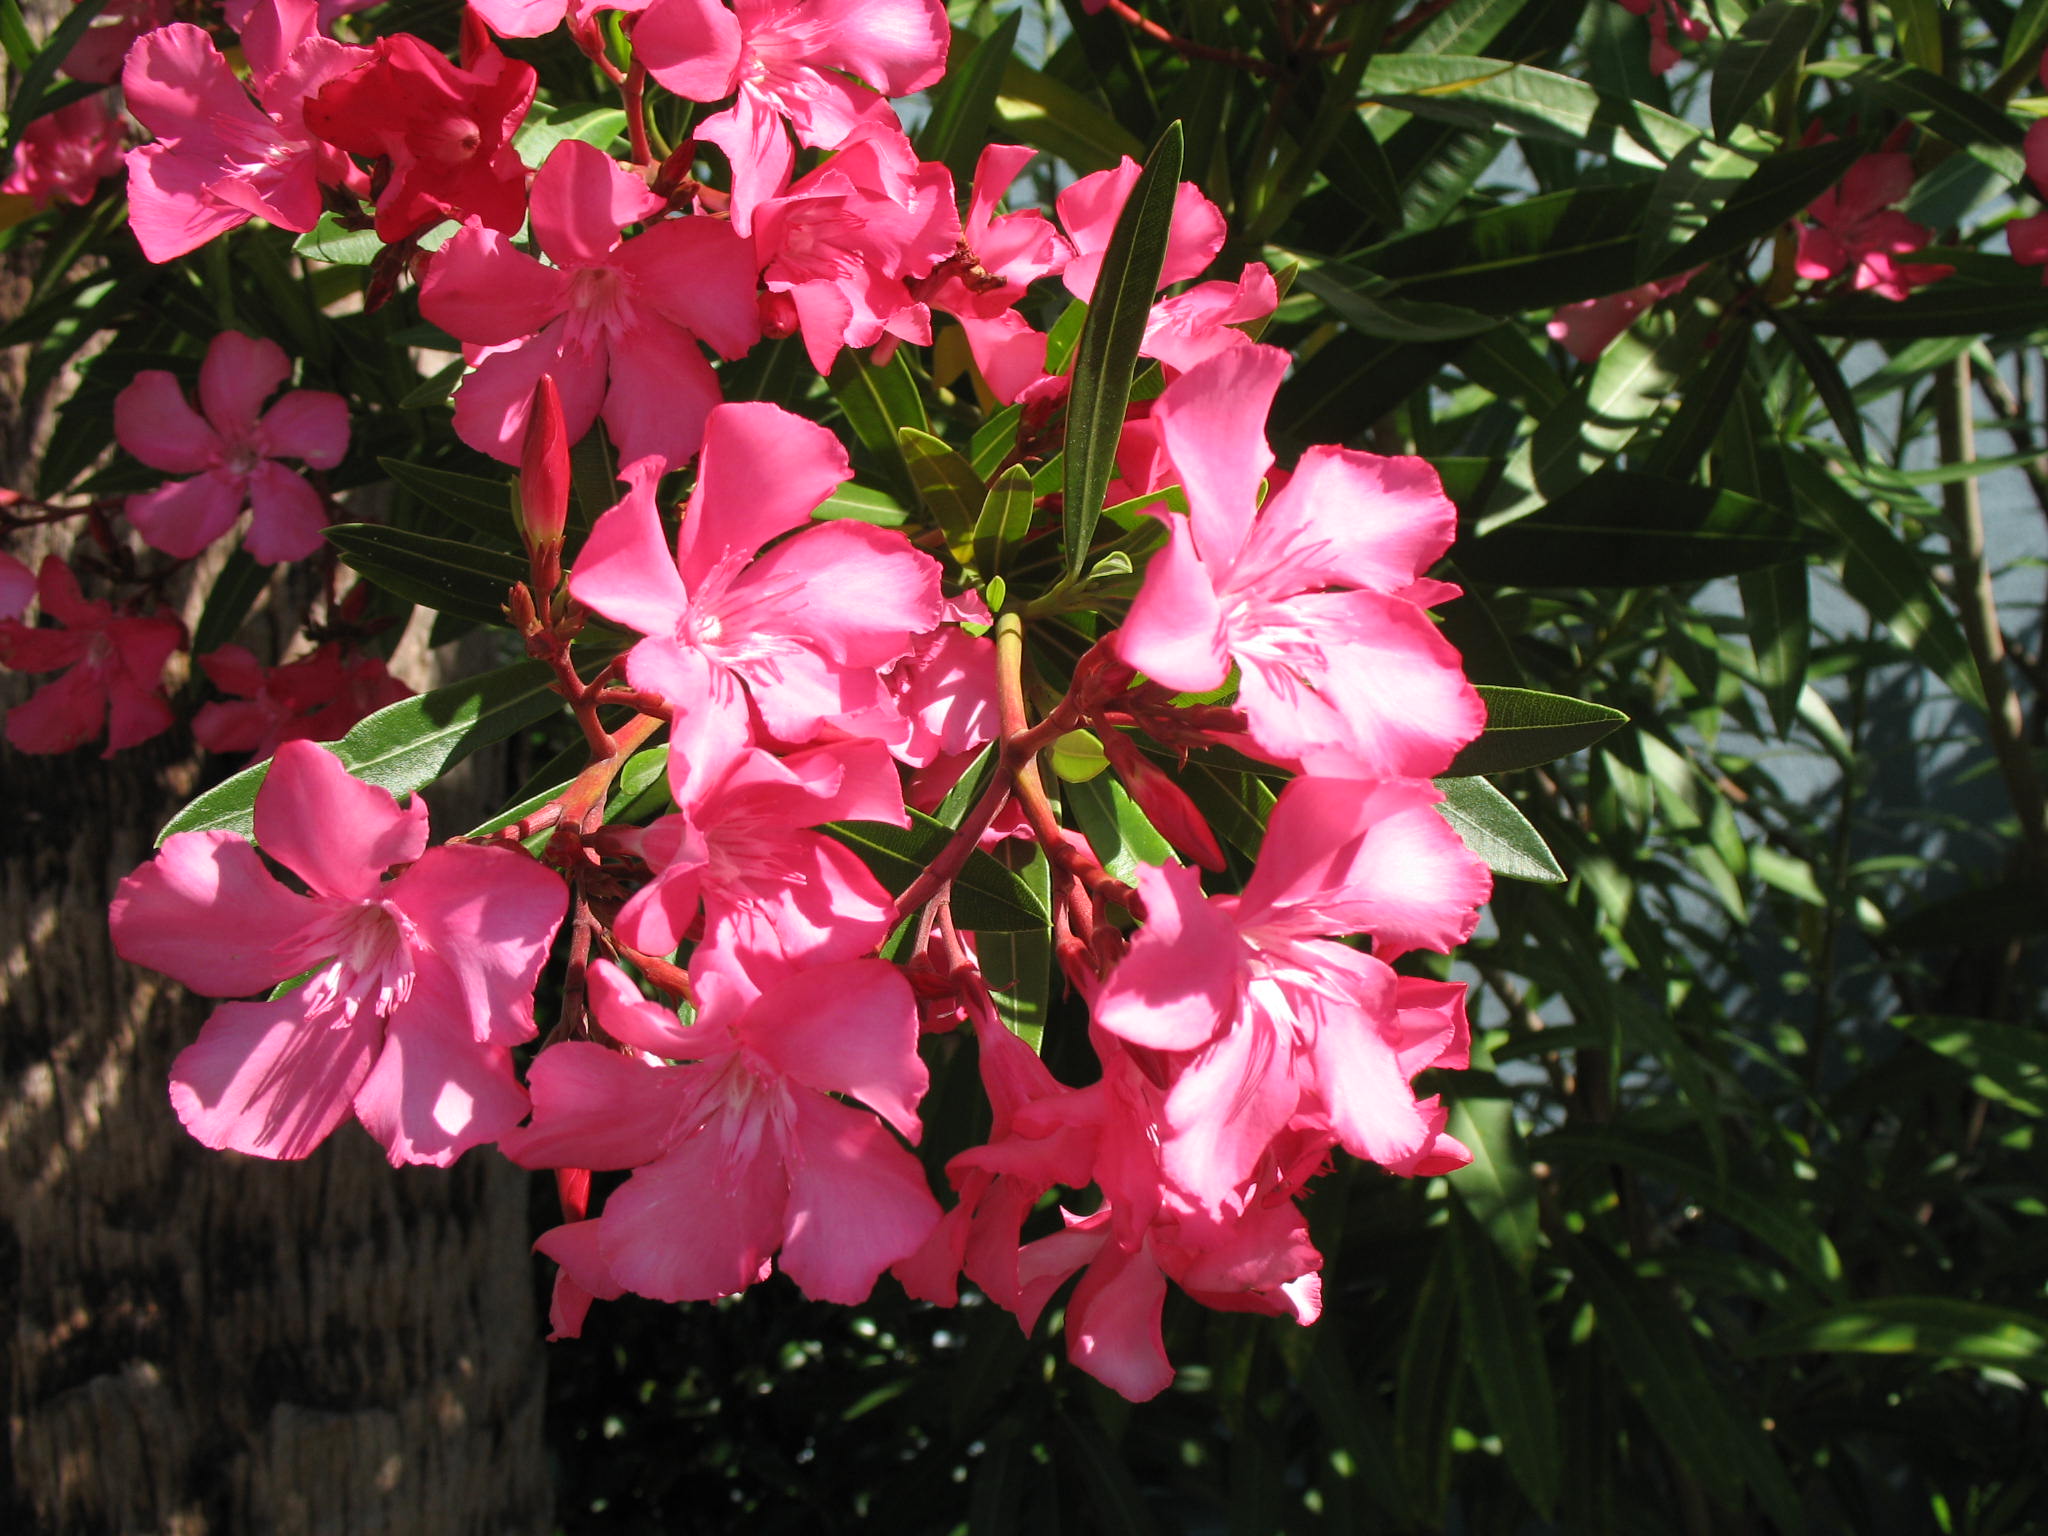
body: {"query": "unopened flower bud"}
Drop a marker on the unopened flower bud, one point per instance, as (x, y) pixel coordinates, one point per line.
(544, 484)
(1165, 804)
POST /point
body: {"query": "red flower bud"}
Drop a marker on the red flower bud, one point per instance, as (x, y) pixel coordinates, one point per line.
(544, 479)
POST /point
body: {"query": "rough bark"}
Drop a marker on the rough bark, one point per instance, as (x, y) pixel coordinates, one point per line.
(202, 1342)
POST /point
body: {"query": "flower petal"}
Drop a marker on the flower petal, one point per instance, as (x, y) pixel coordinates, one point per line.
(263, 1079)
(334, 831)
(206, 912)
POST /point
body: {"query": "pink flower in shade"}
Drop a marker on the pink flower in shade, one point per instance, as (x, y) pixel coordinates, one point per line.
(941, 695)
(773, 893)
(840, 243)
(1856, 229)
(797, 61)
(2028, 238)
(419, 987)
(615, 321)
(114, 661)
(1317, 597)
(17, 586)
(1590, 326)
(742, 1152)
(231, 453)
(796, 634)
(447, 133)
(1267, 1022)
(220, 159)
(65, 154)
(1663, 14)
(316, 698)
(97, 56)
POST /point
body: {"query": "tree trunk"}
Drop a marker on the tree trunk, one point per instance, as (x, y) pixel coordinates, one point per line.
(199, 1341)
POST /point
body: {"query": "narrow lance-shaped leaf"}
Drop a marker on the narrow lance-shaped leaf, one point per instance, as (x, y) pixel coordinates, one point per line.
(29, 101)
(947, 485)
(1504, 1347)
(1525, 728)
(443, 574)
(958, 125)
(1827, 379)
(1108, 349)
(1942, 1327)
(1768, 48)
(1501, 835)
(1004, 519)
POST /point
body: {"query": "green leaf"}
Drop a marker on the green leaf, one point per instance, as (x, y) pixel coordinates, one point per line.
(1122, 836)
(2023, 42)
(1950, 1331)
(1776, 617)
(1827, 379)
(1496, 1186)
(1116, 1505)
(434, 390)
(1492, 828)
(235, 590)
(332, 241)
(475, 502)
(1058, 119)
(1702, 410)
(14, 36)
(1516, 99)
(1504, 1348)
(404, 746)
(1108, 349)
(1956, 306)
(549, 126)
(1767, 1215)
(879, 401)
(1624, 529)
(1017, 963)
(1003, 521)
(1769, 47)
(2006, 1064)
(2002, 913)
(1525, 729)
(958, 125)
(442, 574)
(947, 485)
(1689, 193)
(1428, 1376)
(1886, 576)
(1965, 119)
(862, 505)
(1781, 188)
(985, 895)
(1649, 1344)
(1343, 288)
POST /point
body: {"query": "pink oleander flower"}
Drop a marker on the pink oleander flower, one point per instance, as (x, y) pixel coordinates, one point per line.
(1663, 13)
(419, 984)
(447, 133)
(220, 159)
(2027, 238)
(231, 452)
(316, 698)
(839, 244)
(743, 1152)
(740, 848)
(796, 634)
(65, 154)
(1002, 254)
(1267, 1022)
(17, 587)
(1089, 209)
(1590, 326)
(97, 56)
(810, 63)
(1317, 597)
(1856, 229)
(115, 663)
(616, 322)
(537, 18)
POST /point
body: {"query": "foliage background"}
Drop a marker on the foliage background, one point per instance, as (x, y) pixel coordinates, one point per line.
(1756, 1235)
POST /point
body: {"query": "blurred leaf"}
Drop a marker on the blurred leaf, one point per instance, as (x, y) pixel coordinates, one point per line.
(957, 128)
(32, 90)
(1953, 307)
(1427, 1379)
(1525, 728)
(1940, 106)
(1108, 348)
(1769, 47)
(1115, 1502)
(403, 747)
(1504, 1348)
(1491, 827)
(1496, 1185)
(235, 590)
(2007, 1064)
(441, 574)
(1951, 1331)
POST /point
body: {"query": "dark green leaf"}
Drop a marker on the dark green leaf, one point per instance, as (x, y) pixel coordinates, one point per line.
(1056, 118)
(1556, 248)
(403, 747)
(29, 101)
(2009, 911)
(1965, 119)
(1017, 963)
(235, 590)
(958, 125)
(879, 401)
(1516, 99)
(1827, 379)
(1781, 188)
(1954, 1332)
(985, 895)
(441, 574)
(1776, 617)
(1504, 1348)
(1496, 1186)
(1769, 47)
(1108, 349)
(2006, 1064)
(947, 485)
(1003, 521)
(1525, 729)
(1344, 288)
(1702, 410)
(1427, 1380)
(1954, 307)
(1501, 835)
(475, 502)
